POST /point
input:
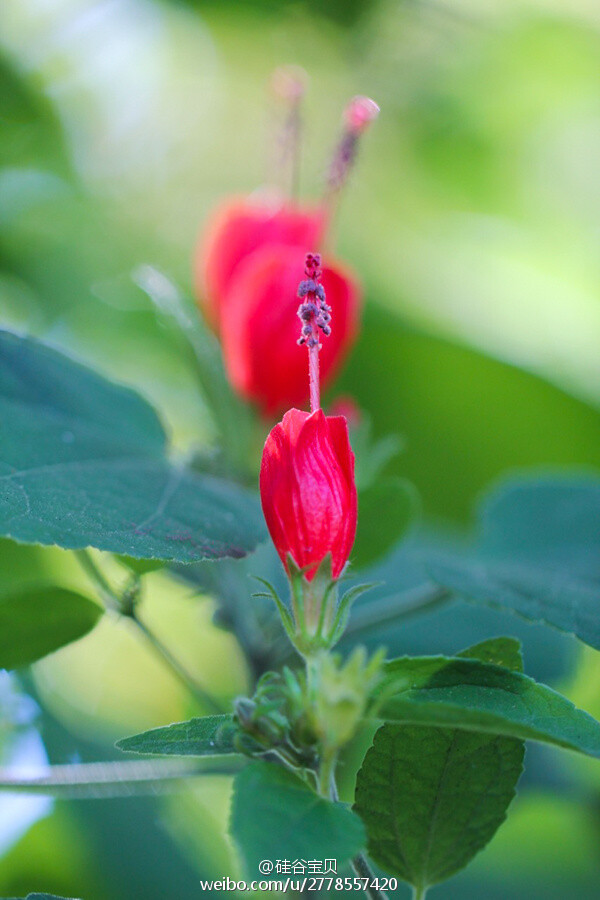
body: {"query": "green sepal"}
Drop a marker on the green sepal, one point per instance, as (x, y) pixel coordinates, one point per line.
(271, 594)
(345, 605)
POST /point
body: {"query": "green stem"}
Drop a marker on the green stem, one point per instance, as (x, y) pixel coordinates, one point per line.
(111, 779)
(109, 597)
(326, 773)
(113, 601)
(360, 864)
(419, 893)
(202, 696)
(362, 869)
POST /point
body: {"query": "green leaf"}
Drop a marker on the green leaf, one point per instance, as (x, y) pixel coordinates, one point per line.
(500, 651)
(274, 815)
(472, 695)
(83, 463)
(206, 736)
(539, 555)
(38, 621)
(431, 798)
(385, 512)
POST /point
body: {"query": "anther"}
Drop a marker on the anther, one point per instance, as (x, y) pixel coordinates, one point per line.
(315, 314)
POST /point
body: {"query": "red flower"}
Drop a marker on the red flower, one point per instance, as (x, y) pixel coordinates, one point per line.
(250, 262)
(307, 490)
(238, 229)
(263, 360)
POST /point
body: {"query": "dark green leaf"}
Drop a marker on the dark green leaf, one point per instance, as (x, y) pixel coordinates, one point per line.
(539, 555)
(207, 736)
(40, 620)
(275, 815)
(385, 511)
(468, 694)
(431, 798)
(83, 463)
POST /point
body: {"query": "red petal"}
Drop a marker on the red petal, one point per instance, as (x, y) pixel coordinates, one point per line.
(260, 328)
(239, 228)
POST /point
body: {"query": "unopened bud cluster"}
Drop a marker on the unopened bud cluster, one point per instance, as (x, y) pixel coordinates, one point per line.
(274, 721)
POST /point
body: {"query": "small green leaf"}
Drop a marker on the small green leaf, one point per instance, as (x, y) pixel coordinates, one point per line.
(83, 462)
(275, 815)
(500, 651)
(472, 695)
(38, 621)
(385, 512)
(539, 555)
(206, 736)
(431, 798)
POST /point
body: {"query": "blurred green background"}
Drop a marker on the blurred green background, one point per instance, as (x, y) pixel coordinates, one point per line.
(473, 219)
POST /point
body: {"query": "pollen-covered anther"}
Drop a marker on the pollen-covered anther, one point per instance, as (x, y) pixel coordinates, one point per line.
(307, 287)
(314, 312)
(307, 311)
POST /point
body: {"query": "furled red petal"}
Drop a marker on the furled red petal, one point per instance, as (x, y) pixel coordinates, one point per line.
(237, 229)
(260, 327)
(308, 491)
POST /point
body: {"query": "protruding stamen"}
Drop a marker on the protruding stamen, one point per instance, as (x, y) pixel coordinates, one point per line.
(358, 115)
(288, 84)
(315, 315)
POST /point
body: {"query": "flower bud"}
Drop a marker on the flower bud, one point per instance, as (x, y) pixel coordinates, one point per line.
(308, 492)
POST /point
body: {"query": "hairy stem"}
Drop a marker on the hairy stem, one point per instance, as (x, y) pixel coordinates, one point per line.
(327, 774)
(109, 597)
(178, 669)
(110, 779)
(362, 869)
(360, 864)
(113, 601)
